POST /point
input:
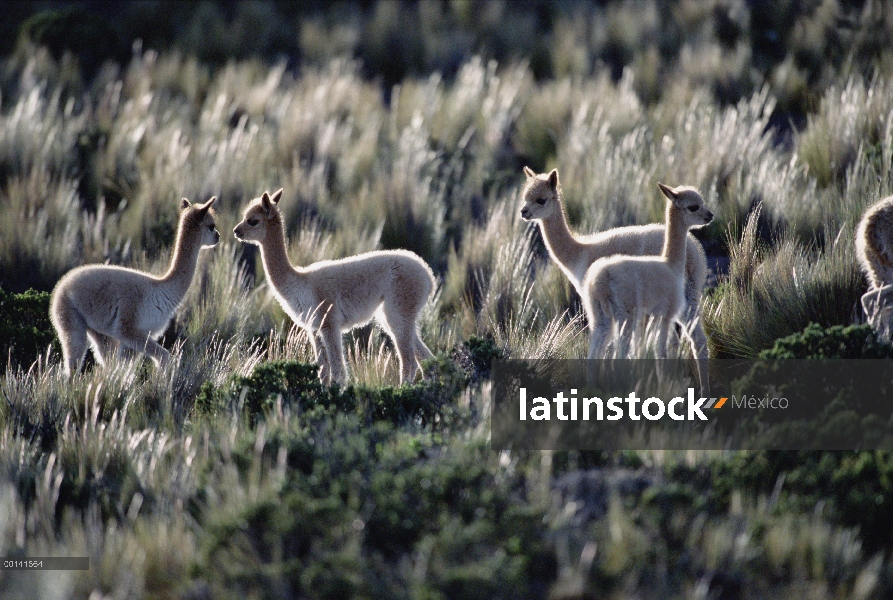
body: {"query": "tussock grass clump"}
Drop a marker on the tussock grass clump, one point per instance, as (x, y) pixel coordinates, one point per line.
(775, 292)
(45, 232)
(220, 304)
(854, 117)
(40, 130)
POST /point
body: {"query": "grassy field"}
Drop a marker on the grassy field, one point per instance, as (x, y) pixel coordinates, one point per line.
(233, 473)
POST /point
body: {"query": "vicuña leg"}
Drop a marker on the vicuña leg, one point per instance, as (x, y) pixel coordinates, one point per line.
(141, 341)
(600, 331)
(663, 331)
(104, 347)
(73, 337)
(422, 352)
(398, 316)
(320, 356)
(695, 333)
(404, 340)
(330, 335)
(400, 330)
(877, 304)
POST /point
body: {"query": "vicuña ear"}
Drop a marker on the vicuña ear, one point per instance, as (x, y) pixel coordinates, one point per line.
(529, 172)
(207, 205)
(184, 204)
(266, 204)
(553, 179)
(668, 192)
(277, 195)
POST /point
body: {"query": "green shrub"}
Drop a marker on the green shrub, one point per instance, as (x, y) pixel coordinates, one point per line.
(357, 500)
(838, 341)
(291, 545)
(476, 357)
(290, 380)
(857, 485)
(25, 327)
(851, 413)
(296, 385)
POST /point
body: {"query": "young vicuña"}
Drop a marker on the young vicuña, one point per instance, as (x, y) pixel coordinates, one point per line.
(574, 254)
(624, 290)
(333, 296)
(113, 308)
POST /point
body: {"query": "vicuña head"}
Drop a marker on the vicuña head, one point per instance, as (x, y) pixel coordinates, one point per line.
(622, 291)
(333, 296)
(113, 308)
(685, 210)
(541, 196)
(261, 212)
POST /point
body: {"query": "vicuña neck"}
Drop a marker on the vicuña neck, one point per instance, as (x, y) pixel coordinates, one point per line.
(561, 243)
(675, 238)
(274, 255)
(179, 277)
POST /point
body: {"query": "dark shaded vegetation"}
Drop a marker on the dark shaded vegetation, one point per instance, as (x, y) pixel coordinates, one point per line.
(25, 327)
(475, 357)
(856, 489)
(396, 39)
(287, 384)
(89, 36)
(341, 502)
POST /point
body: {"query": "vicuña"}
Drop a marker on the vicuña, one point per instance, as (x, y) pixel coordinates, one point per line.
(622, 290)
(112, 308)
(333, 296)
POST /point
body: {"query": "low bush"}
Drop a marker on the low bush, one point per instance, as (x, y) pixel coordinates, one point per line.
(838, 341)
(475, 357)
(25, 327)
(288, 383)
(358, 500)
(857, 486)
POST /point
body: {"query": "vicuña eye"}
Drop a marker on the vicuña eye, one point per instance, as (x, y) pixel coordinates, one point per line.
(540, 201)
(253, 222)
(210, 227)
(693, 208)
